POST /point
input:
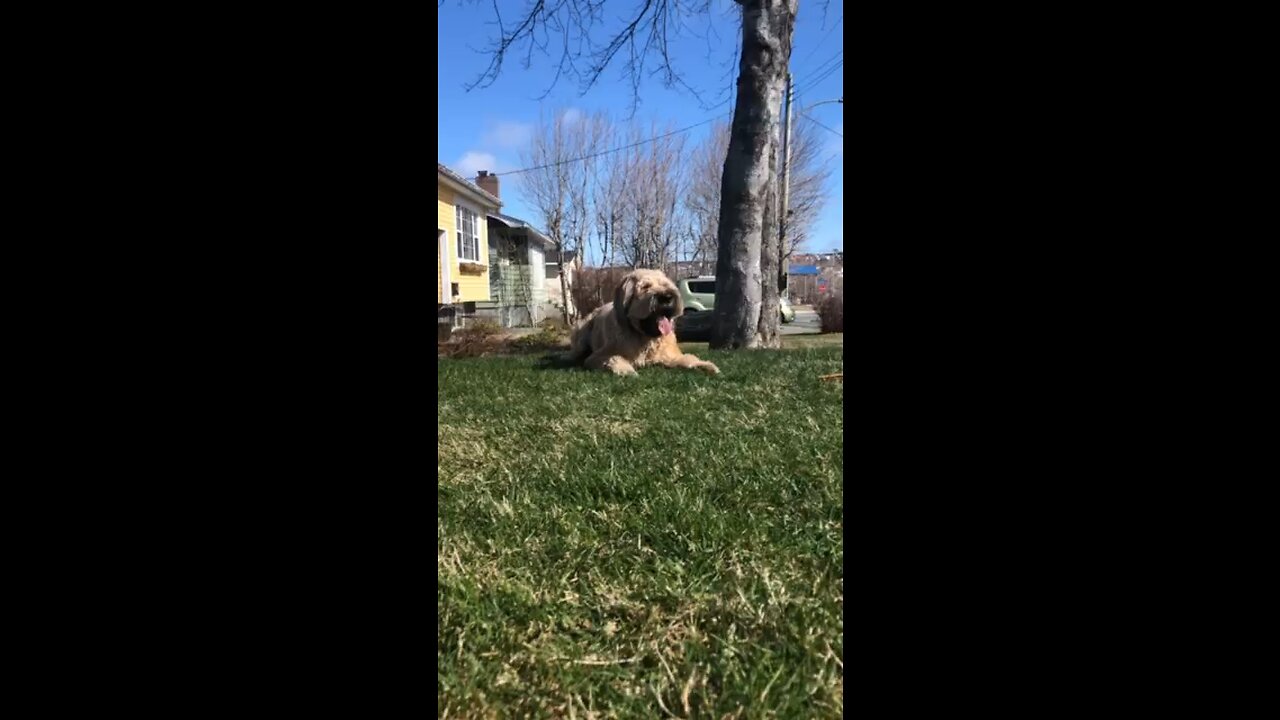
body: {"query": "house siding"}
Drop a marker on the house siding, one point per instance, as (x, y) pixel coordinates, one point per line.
(471, 286)
(538, 274)
(446, 221)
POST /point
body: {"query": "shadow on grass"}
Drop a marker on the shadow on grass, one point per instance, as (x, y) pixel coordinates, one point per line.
(557, 360)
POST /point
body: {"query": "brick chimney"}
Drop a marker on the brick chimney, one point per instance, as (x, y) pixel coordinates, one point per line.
(488, 183)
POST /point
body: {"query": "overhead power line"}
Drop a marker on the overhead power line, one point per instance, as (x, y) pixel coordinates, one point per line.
(818, 80)
(823, 74)
(806, 116)
(820, 42)
(614, 150)
(826, 66)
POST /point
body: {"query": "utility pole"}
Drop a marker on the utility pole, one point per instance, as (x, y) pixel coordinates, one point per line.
(784, 191)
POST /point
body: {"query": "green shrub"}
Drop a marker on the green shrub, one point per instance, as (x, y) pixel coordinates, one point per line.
(547, 338)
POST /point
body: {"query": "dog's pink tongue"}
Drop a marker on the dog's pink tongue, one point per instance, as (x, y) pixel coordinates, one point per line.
(665, 326)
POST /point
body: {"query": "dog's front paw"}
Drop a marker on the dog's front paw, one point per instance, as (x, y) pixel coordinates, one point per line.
(620, 367)
(709, 368)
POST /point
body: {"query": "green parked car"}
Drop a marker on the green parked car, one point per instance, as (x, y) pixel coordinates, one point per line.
(699, 295)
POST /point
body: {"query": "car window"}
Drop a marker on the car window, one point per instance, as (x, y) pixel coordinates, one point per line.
(702, 287)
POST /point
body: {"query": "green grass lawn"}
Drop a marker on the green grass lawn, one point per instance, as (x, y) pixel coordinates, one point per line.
(664, 545)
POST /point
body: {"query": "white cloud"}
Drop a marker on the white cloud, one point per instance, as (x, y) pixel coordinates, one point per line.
(508, 135)
(473, 162)
(571, 116)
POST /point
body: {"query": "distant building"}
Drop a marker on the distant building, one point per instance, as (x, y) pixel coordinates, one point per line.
(835, 259)
(807, 283)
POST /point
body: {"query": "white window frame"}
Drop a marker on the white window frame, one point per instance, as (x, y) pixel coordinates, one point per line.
(476, 235)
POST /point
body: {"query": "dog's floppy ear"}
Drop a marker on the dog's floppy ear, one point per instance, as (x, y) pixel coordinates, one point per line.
(622, 298)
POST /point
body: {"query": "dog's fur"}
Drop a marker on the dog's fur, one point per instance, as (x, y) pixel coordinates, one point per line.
(623, 335)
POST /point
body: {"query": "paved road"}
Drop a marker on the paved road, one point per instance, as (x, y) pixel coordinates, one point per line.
(806, 322)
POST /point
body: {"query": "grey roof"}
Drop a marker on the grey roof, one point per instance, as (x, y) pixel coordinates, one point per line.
(515, 222)
(510, 220)
(440, 167)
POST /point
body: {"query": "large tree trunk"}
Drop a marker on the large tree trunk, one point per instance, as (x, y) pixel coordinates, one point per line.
(565, 298)
(770, 307)
(749, 177)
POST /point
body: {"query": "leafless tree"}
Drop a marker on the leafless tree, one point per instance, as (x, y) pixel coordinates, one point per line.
(557, 183)
(809, 177)
(585, 134)
(649, 234)
(706, 168)
(609, 192)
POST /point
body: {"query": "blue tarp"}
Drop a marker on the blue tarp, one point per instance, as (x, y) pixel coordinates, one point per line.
(802, 270)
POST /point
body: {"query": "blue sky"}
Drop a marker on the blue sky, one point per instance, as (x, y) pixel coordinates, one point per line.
(484, 129)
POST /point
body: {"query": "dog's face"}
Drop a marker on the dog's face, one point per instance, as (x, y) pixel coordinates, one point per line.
(647, 302)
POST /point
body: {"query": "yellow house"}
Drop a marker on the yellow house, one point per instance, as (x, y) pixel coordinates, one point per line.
(462, 238)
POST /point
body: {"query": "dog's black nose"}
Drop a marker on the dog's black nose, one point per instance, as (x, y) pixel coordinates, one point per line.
(666, 298)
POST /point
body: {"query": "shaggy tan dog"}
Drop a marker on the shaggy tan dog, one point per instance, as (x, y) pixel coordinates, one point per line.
(635, 330)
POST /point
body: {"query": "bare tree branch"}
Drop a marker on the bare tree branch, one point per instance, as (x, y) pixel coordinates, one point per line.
(558, 186)
(642, 46)
(809, 173)
(651, 218)
(706, 165)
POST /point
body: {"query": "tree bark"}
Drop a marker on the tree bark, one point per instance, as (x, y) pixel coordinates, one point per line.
(748, 186)
(770, 306)
(564, 291)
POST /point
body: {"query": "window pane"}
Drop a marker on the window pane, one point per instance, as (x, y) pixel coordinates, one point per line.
(468, 234)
